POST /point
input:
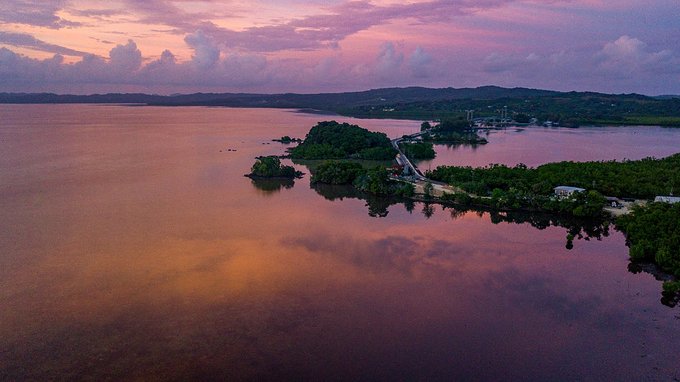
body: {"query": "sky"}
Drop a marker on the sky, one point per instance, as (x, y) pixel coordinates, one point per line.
(312, 46)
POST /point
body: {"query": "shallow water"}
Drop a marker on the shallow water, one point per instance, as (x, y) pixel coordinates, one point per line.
(132, 247)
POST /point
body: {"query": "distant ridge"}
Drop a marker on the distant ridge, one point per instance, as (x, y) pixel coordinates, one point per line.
(667, 96)
(564, 108)
(328, 101)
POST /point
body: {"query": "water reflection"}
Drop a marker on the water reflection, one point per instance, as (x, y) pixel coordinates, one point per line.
(428, 210)
(575, 228)
(272, 186)
(134, 250)
(377, 205)
(667, 298)
(579, 229)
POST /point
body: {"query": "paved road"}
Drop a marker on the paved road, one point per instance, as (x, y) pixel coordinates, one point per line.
(418, 179)
(407, 162)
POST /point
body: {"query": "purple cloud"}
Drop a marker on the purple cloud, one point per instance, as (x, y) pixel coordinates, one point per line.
(617, 66)
(34, 12)
(206, 51)
(125, 58)
(342, 45)
(310, 32)
(389, 61)
(28, 41)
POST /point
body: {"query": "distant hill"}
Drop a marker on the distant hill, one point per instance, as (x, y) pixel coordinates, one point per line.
(668, 96)
(567, 108)
(322, 101)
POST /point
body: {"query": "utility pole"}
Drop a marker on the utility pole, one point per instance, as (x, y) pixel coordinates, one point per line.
(469, 114)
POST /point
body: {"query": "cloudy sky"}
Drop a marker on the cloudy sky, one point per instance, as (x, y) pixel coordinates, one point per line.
(304, 46)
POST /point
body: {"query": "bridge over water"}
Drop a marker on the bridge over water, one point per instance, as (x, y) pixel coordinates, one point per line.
(417, 178)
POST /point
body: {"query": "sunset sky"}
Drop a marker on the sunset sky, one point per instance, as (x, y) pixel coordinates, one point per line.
(164, 46)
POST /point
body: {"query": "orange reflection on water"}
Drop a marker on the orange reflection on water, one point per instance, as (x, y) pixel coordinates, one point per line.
(142, 252)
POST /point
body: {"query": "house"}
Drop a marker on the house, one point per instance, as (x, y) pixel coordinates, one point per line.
(566, 191)
(667, 199)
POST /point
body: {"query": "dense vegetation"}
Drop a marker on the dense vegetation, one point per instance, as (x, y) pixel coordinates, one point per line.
(333, 140)
(336, 172)
(653, 234)
(418, 150)
(520, 187)
(374, 180)
(453, 130)
(567, 109)
(644, 178)
(271, 167)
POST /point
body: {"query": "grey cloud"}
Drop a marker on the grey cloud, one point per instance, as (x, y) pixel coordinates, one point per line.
(620, 65)
(420, 63)
(34, 12)
(389, 60)
(98, 13)
(124, 68)
(311, 32)
(206, 51)
(627, 55)
(126, 57)
(28, 41)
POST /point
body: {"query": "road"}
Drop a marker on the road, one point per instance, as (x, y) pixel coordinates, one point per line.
(407, 162)
(417, 178)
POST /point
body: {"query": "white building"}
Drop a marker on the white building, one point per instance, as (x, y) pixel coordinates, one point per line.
(667, 199)
(566, 191)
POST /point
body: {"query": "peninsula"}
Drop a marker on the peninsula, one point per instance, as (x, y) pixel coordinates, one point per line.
(651, 229)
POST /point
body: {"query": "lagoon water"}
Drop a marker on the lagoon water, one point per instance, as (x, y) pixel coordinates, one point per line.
(534, 146)
(132, 247)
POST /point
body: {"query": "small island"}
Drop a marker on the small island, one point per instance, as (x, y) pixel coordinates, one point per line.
(287, 140)
(271, 167)
(333, 140)
(452, 131)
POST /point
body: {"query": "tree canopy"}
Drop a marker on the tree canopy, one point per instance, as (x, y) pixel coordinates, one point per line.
(333, 140)
(643, 178)
(418, 150)
(271, 167)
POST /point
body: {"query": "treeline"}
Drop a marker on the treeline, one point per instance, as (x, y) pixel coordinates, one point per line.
(333, 140)
(643, 178)
(374, 180)
(653, 234)
(568, 109)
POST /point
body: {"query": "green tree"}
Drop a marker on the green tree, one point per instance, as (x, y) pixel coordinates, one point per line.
(333, 140)
(336, 172)
(270, 167)
(427, 189)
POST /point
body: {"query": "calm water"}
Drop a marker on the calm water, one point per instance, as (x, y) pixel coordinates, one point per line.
(534, 146)
(132, 247)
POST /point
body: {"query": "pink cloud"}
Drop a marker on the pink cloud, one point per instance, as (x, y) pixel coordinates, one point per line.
(34, 12)
(29, 41)
(341, 44)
